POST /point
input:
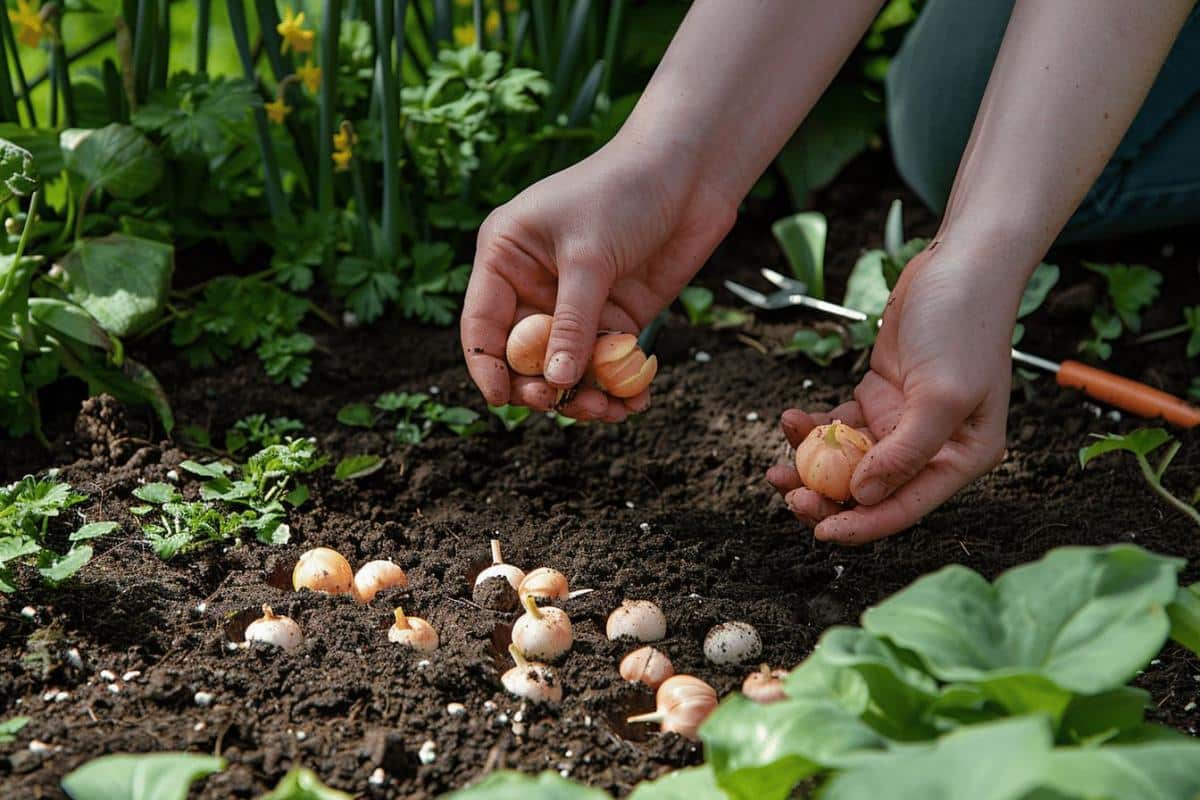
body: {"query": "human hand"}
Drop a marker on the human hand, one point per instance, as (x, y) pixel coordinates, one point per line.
(935, 399)
(604, 245)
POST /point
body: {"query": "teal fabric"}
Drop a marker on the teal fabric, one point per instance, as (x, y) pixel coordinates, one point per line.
(937, 80)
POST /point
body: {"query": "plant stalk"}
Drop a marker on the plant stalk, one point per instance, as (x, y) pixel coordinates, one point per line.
(1152, 479)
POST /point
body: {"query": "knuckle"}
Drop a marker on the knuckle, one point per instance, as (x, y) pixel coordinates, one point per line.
(951, 395)
(570, 323)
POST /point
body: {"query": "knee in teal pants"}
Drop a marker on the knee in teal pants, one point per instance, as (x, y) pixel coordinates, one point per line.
(937, 80)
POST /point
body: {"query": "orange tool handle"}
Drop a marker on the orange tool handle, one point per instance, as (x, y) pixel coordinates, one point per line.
(1128, 395)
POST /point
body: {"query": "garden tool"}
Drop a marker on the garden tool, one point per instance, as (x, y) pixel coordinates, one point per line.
(1115, 390)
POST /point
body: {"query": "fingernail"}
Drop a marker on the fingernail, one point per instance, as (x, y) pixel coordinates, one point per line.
(561, 369)
(870, 492)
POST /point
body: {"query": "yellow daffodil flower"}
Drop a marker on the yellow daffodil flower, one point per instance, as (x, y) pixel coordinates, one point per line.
(295, 37)
(341, 160)
(491, 23)
(345, 138)
(310, 75)
(464, 34)
(277, 110)
(27, 17)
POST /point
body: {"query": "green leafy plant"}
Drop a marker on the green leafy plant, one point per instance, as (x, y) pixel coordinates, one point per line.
(415, 416)
(10, 727)
(1141, 443)
(260, 432)
(698, 304)
(303, 784)
(26, 508)
(1129, 290)
(148, 776)
(260, 491)
(511, 416)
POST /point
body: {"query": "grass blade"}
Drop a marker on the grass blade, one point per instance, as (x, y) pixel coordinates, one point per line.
(10, 45)
(143, 46)
(568, 55)
(203, 20)
(160, 63)
(612, 38)
(585, 98)
(542, 34)
(326, 105)
(8, 102)
(443, 22)
(390, 122)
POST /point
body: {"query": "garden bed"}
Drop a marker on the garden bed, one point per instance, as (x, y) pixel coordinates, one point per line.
(671, 506)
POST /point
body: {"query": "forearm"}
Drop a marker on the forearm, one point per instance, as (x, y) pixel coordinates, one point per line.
(738, 79)
(1066, 85)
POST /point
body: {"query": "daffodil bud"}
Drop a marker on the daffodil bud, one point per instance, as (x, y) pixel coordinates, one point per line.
(732, 643)
(647, 666)
(620, 367)
(274, 629)
(542, 633)
(640, 620)
(376, 576)
(828, 456)
(544, 584)
(531, 680)
(683, 703)
(323, 570)
(527, 342)
(413, 632)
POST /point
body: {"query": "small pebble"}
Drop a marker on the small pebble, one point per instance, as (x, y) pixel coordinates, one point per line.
(28, 612)
(423, 663)
(203, 699)
(808, 383)
(428, 752)
(435, 391)
(131, 675)
(489, 705)
(518, 728)
(349, 319)
(838, 569)
(502, 718)
(107, 675)
(629, 504)
(378, 777)
(173, 475)
(564, 772)
(62, 697)
(114, 688)
(49, 696)
(38, 747)
(645, 526)
(74, 659)
(519, 716)
(1095, 410)
(1114, 415)
(752, 416)
(703, 357)
(201, 608)
(1190, 707)
(199, 726)
(456, 709)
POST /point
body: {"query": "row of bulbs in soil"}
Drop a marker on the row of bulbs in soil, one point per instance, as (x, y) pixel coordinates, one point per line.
(542, 634)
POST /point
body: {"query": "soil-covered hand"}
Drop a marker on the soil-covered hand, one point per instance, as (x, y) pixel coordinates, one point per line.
(604, 245)
(935, 398)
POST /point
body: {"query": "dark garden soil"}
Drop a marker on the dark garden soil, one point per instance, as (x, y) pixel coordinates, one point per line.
(671, 506)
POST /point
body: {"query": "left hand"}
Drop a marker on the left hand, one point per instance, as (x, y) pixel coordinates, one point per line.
(935, 399)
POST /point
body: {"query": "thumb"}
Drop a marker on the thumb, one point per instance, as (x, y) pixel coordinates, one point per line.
(922, 431)
(581, 295)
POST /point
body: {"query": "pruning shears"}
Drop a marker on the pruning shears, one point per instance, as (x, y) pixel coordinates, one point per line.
(1123, 393)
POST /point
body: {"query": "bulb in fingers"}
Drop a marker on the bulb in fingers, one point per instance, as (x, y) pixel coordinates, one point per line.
(527, 342)
(620, 367)
(828, 456)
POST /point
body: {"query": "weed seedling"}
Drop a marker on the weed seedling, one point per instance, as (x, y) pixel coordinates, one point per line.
(415, 415)
(1130, 290)
(698, 304)
(1141, 443)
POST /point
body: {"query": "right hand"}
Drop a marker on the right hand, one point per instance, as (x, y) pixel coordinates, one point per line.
(603, 245)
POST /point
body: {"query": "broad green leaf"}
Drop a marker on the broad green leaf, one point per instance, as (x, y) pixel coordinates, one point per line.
(16, 169)
(116, 159)
(9, 728)
(759, 752)
(213, 469)
(1040, 283)
(1084, 619)
(121, 280)
(1100, 717)
(1162, 770)
(997, 761)
(695, 783)
(900, 694)
(42, 144)
(1184, 612)
(356, 414)
(509, 785)
(150, 776)
(866, 288)
(1140, 442)
(802, 239)
(94, 530)
(57, 568)
(68, 319)
(14, 547)
(841, 125)
(821, 348)
(157, 493)
(303, 784)
(893, 229)
(511, 416)
(352, 467)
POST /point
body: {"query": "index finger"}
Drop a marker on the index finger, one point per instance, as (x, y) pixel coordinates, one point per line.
(489, 312)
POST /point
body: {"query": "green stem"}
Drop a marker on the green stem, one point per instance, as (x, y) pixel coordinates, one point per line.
(143, 46)
(273, 183)
(611, 39)
(203, 20)
(64, 83)
(8, 103)
(160, 63)
(477, 19)
(390, 114)
(10, 46)
(1165, 333)
(326, 106)
(1167, 459)
(1152, 479)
